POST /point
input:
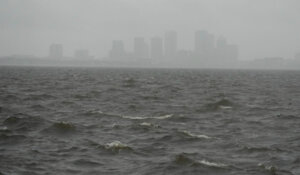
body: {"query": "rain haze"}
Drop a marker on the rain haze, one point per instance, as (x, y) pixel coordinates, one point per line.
(267, 28)
(139, 87)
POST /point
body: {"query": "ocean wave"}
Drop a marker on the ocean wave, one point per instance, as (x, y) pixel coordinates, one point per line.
(201, 136)
(288, 117)
(185, 159)
(129, 82)
(271, 169)
(134, 118)
(8, 139)
(212, 164)
(221, 104)
(163, 117)
(36, 97)
(86, 163)
(22, 122)
(252, 149)
(38, 107)
(10, 98)
(116, 146)
(60, 128)
(3, 128)
(225, 107)
(144, 118)
(146, 124)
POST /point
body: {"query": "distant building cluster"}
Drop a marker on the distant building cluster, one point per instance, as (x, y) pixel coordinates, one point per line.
(206, 50)
(56, 53)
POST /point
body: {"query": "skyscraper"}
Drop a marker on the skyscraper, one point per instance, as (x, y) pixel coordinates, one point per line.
(221, 42)
(226, 52)
(170, 44)
(56, 51)
(204, 43)
(156, 48)
(117, 51)
(297, 56)
(141, 49)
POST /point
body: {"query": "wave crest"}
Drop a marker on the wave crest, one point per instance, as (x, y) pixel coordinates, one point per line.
(144, 118)
(60, 128)
(212, 164)
(116, 146)
(201, 136)
(221, 104)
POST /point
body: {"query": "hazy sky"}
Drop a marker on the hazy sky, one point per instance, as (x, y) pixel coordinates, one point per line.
(261, 28)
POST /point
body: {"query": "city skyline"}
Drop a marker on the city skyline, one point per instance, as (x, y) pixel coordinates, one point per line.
(261, 29)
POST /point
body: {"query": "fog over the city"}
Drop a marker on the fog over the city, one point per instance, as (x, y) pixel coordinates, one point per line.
(260, 28)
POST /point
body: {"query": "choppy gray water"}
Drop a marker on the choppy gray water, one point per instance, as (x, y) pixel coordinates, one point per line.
(153, 121)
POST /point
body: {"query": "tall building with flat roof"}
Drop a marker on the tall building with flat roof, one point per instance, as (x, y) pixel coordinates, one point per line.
(156, 48)
(170, 44)
(141, 49)
(117, 51)
(221, 42)
(226, 52)
(297, 56)
(204, 43)
(56, 51)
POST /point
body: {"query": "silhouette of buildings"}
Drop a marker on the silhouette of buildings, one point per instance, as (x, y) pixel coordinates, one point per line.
(82, 54)
(56, 51)
(141, 49)
(297, 56)
(206, 53)
(204, 44)
(117, 51)
(226, 53)
(156, 48)
(170, 44)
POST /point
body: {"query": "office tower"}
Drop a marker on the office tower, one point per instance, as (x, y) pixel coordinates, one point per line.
(156, 48)
(226, 52)
(221, 42)
(204, 43)
(56, 51)
(170, 44)
(81, 54)
(141, 49)
(297, 56)
(117, 51)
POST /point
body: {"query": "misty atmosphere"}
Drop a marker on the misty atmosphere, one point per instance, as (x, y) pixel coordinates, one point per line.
(144, 33)
(144, 87)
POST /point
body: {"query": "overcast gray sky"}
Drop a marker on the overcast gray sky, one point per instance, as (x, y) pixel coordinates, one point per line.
(261, 28)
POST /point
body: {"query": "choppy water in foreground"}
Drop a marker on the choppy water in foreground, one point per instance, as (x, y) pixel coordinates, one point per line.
(131, 121)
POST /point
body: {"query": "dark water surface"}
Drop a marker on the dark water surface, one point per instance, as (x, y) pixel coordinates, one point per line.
(152, 121)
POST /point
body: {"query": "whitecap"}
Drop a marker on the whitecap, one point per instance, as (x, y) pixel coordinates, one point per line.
(269, 168)
(212, 164)
(146, 124)
(164, 116)
(143, 118)
(134, 118)
(201, 136)
(4, 128)
(99, 112)
(225, 107)
(115, 144)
